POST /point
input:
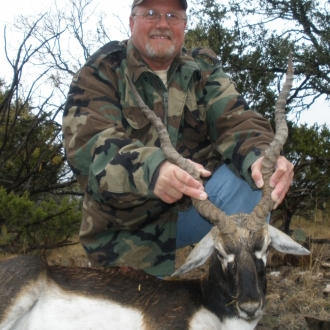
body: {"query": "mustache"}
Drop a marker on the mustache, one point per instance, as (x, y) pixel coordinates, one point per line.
(158, 32)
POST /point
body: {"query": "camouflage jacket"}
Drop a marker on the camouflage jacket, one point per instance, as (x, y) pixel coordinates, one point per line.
(114, 151)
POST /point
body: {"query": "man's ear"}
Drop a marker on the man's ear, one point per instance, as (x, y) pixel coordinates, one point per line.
(131, 22)
(185, 24)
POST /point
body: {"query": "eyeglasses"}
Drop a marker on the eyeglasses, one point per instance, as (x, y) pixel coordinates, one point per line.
(152, 16)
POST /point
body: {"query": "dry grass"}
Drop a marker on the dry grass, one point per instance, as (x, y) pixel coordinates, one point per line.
(299, 294)
(317, 227)
(299, 287)
(73, 255)
(5, 256)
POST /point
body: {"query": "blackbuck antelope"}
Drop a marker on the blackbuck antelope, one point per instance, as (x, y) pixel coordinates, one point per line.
(231, 296)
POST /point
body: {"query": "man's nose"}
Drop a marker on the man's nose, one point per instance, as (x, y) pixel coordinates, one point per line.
(163, 21)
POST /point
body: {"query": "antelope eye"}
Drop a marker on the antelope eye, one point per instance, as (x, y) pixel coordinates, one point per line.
(220, 255)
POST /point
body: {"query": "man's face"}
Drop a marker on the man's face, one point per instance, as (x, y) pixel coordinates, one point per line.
(158, 42)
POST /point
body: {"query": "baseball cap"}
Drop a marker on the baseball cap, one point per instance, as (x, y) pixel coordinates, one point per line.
(138, 2)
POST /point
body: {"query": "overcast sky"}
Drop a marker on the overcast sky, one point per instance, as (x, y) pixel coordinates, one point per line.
(319, 113)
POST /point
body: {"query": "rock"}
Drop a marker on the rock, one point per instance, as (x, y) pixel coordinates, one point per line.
(326, 255)
(299, 235)
(275, 273)
(273, 296)
(326, 291)
(325, 264)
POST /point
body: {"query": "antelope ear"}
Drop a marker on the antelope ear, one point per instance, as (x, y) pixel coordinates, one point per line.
(199, 254)
(283, 243)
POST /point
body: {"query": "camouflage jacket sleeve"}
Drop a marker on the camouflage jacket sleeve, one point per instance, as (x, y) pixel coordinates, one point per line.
(238, 134)
(97, 146)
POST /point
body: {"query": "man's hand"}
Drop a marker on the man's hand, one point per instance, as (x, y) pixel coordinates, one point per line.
(173, 183)
(280, 180)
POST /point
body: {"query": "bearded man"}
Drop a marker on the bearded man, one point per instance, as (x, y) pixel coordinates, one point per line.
(137, 208)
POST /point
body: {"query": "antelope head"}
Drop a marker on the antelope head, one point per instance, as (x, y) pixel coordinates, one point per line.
(239, 243)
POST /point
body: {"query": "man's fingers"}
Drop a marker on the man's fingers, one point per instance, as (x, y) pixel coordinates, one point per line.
(256, 173)
(183, 188)
(185, 180)
(281, 180)
(171, 194)
(167, 193)
(196, 193)
(283, 172)
(173, 182)
(167, 199)
(188, 186)
(281, 189)
(201, 170)
(278, 198)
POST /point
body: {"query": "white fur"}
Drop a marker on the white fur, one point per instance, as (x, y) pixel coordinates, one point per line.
(58, 310)
(23, 304)
(205, 320)
(238, 324)
(262, 254)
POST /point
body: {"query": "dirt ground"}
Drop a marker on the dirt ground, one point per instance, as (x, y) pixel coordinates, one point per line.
(297, 288)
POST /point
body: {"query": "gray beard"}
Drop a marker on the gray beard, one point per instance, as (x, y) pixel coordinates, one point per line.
(160, 55)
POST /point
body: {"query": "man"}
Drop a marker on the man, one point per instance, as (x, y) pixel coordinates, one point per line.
(136, 207)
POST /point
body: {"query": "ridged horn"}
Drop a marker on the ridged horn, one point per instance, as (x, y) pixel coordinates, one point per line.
(205, 208)
(266, 204)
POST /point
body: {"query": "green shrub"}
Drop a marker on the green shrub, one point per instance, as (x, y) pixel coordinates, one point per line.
(28, 225)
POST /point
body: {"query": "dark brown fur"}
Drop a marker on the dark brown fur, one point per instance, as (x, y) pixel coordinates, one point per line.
(16, 275)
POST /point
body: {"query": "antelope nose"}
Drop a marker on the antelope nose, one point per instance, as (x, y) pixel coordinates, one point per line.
(249, 310)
